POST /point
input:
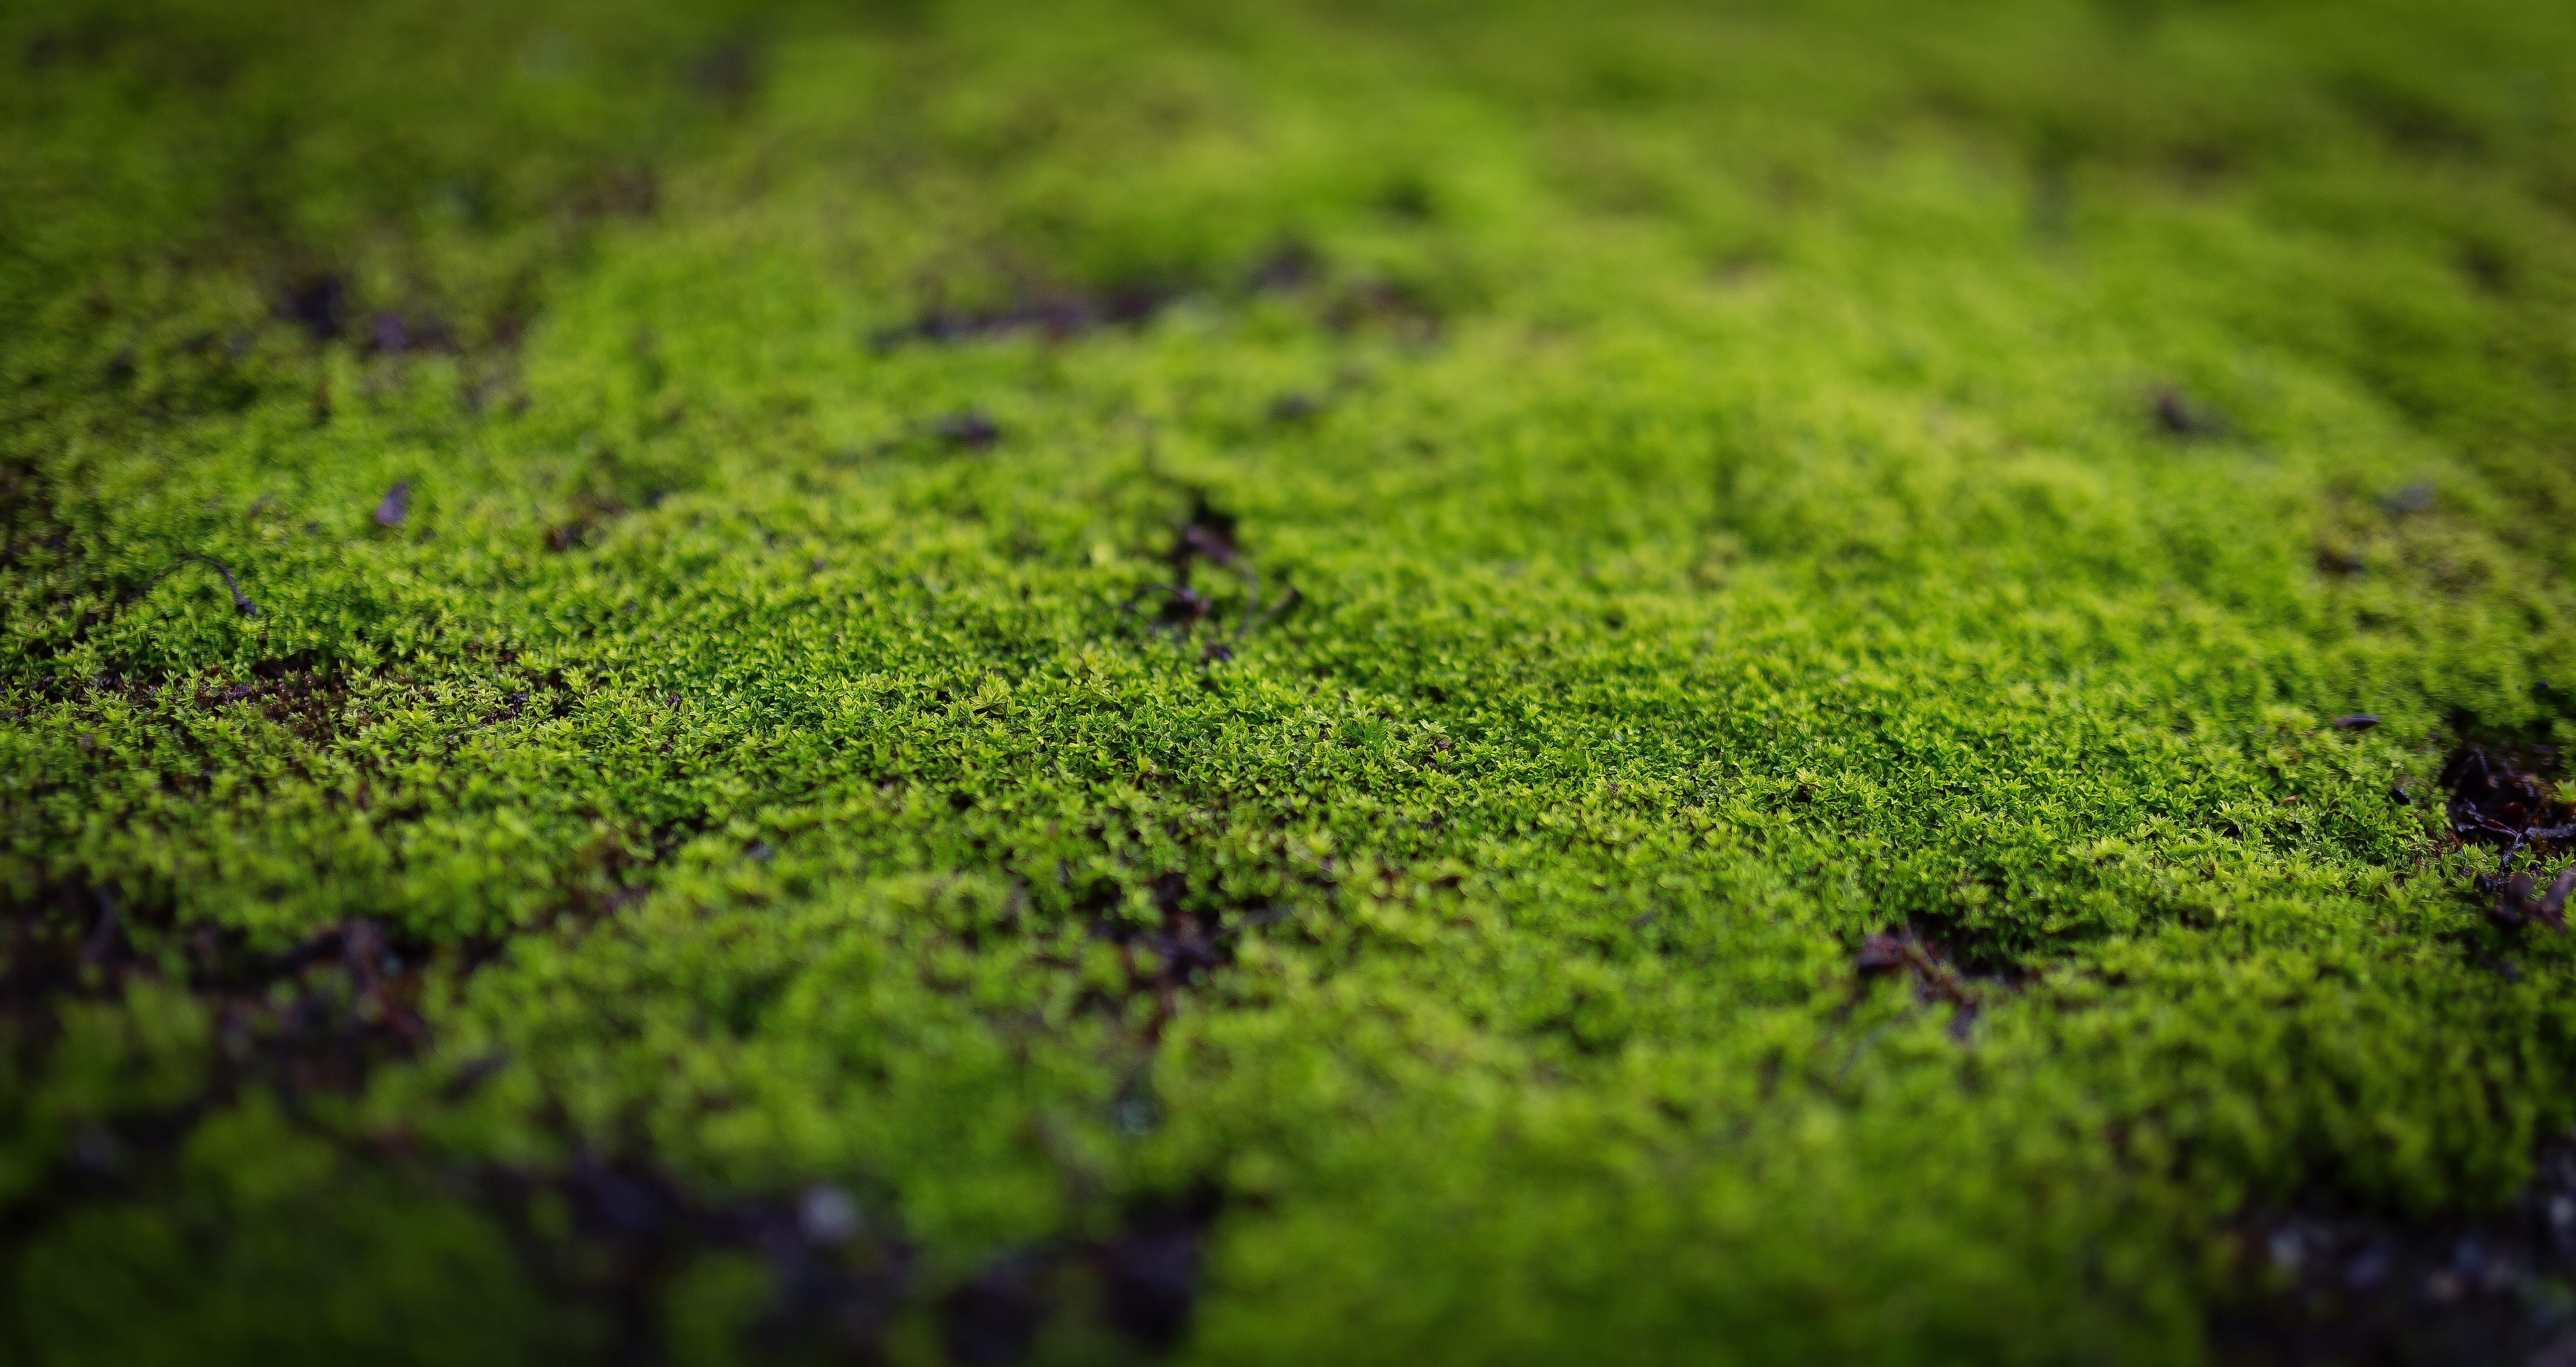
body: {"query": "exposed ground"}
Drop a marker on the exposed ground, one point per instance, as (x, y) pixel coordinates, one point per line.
(1269, 683)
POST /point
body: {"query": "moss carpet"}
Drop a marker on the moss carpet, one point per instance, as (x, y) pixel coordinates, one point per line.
(1279, 683)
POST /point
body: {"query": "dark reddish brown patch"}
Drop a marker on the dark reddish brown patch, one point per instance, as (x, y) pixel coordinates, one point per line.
(1208, 536)
(2494, 799)
(1926, 963)
(2183, 418)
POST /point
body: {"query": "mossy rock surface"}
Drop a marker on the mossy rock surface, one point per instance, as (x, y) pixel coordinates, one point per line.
(1283, 683)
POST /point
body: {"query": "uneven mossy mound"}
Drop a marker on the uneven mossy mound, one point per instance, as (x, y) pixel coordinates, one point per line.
(1271, 684)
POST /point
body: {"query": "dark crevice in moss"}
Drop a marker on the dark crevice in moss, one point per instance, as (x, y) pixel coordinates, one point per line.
(612, 1236)
(627, 191)
(589, 514)
(1174, 956)
(1056, 315)
(2313, 1283)
(1146, 1275)
(1344, 305)
(2185, 418)
(1207, 534)
(319, 304)
(312, 1020)
(316, 1018)
(1399, 308)
(28, 522)
(1968, 983)
(839, 1271)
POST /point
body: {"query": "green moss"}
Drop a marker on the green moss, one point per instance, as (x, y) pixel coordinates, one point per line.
(1717, 462)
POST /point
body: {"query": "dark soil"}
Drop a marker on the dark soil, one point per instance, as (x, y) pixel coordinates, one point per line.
(2339, 1286)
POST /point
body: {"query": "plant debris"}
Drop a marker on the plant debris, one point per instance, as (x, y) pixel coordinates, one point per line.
(2494, 800)
(2183, 418)
(2515, 907)
(1208, 535)
(241, 601)
(1926, 964)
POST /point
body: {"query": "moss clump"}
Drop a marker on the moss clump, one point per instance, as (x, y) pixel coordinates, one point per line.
(1248, 681)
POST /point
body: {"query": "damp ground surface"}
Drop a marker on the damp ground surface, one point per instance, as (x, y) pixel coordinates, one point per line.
(1276, 684)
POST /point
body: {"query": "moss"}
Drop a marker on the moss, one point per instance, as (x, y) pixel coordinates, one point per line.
(1241, 681)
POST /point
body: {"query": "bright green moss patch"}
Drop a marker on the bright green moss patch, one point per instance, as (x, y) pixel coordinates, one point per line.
(1240, 681)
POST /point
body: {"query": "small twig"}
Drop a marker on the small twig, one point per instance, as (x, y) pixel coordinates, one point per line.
(1287, 603)
(2528, 834)
(241, 600)
(1252, 604)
